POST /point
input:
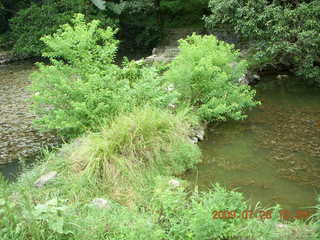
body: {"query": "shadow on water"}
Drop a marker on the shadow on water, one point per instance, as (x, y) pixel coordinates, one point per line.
(274, 155)
(10, 170)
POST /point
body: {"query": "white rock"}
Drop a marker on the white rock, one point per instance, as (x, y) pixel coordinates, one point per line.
(194, 140)
(44, 179)
(101, 203)
(256, 77)
(200, 134)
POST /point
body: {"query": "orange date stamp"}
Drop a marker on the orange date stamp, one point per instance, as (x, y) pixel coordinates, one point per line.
(262, 214)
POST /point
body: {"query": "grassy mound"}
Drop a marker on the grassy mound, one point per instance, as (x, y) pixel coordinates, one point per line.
(126, 155)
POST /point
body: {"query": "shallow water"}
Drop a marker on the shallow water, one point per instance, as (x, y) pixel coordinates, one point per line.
(274, 155)
(18, 138)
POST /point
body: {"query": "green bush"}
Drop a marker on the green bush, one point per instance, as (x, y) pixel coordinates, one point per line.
(30, 24)
(206, 74)
(281, 33)
(82, 87)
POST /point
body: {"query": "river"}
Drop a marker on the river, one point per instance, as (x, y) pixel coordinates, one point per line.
(19, 140)
(274, 155)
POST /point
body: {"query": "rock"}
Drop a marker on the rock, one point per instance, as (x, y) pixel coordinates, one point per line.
(279, 77)
(101, 203)
(256, 77)
(6, 57)
(154, 51)
(243, 80)
(168, 49)
(194, 140)
(174, 183)
(249, 78)
(199, 134)
(44, 179)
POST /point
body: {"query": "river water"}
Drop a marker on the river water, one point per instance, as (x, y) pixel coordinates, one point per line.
(18, 138)
(274, 155)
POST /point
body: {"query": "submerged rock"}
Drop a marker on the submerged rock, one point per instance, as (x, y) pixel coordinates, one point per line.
(44, 179)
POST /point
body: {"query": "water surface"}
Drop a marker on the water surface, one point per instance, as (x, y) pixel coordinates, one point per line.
(18, 137)
(274, 155)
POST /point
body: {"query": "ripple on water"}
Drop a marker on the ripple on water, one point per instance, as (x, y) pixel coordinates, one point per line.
(274, 155)
(18, 138)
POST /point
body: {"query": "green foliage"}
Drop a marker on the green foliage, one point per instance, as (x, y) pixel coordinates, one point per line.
(50, 214)
(191, 217)
(125, 224)
(282, 34)
(46, 19)
(82, 87)
(205, 73)
(81, 45)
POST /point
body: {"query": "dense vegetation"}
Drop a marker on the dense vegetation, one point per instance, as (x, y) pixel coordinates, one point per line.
(282, 33)
(140, 21)
(133, 121)
(83, 87)
(206, 73)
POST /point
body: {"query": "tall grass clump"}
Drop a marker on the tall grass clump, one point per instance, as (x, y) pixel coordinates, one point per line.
(206, 74)
(127, 154)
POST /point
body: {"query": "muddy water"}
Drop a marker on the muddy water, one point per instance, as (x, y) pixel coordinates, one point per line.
(274, 155)
(18, 139)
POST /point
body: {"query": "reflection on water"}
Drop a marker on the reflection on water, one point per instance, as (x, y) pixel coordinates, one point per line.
(274, 155)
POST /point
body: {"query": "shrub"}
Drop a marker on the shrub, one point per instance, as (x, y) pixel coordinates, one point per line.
(281, 33)
(31, 23)
(82, 87)
(206, 74)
